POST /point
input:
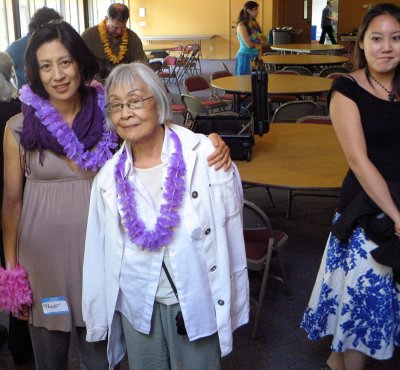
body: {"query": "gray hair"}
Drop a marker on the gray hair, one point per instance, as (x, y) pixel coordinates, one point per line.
(7, 88)
(137, 71)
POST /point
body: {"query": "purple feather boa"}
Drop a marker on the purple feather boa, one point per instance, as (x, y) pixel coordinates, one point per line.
(15, 291)
(153, 240)
(66, 137)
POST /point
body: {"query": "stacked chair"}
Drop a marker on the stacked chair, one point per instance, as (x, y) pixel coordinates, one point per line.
(168, 71)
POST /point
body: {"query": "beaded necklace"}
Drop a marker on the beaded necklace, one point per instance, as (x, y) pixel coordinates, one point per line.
(391, 95)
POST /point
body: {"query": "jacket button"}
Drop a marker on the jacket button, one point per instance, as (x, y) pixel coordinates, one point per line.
(221, 302)
(208, 231)
(213, 268)
(195, 194)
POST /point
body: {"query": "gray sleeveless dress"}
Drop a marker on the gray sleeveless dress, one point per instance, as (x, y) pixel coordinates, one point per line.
(52, 232)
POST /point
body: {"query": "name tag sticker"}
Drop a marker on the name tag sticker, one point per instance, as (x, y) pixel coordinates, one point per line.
(54, 305)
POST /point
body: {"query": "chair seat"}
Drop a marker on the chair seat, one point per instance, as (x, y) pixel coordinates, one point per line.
(178, 108)
(256, 248)
(283, 98)
(228, 97)
(213, 103)
(162, 74)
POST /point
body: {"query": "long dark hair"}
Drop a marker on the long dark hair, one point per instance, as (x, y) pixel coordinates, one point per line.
(244, 14)
(360, 60)
(72, 41)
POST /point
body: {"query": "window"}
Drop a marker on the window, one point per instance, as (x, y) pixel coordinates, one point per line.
(73, 11)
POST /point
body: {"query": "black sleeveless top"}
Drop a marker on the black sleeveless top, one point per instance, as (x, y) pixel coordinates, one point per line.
(380, 121)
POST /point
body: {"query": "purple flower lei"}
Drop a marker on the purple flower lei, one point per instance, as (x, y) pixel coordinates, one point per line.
(169, 218)
(66, 137)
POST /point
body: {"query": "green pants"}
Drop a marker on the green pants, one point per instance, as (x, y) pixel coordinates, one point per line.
(164, 349)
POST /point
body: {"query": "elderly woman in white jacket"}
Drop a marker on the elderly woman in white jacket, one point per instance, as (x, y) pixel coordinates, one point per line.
(165, 273)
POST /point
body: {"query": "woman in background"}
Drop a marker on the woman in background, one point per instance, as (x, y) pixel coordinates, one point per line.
(356, 297)
(250, 38)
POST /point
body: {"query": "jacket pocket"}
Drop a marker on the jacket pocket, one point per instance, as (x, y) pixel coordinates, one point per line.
(225, 200)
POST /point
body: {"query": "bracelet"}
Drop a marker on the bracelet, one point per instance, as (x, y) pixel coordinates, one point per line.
(15, 290)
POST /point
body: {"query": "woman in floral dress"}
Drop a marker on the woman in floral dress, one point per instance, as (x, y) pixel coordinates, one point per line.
(356, 297)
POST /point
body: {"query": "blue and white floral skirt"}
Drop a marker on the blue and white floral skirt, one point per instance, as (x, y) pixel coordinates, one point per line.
(354, 299)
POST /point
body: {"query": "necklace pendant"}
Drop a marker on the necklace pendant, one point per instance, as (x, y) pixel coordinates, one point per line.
(391, 96)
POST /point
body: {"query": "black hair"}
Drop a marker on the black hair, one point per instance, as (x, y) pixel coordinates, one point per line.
(360, 60)
(41, 17)
(118, 11)
(72, 41)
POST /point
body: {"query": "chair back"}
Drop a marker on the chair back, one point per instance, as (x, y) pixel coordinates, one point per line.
(177, 51)
(170, 60)
(320, 120)
(194, 105)
(328, 70)
(156, 65)
(195, 83)
(159, 54)
(286, 72)
(193, 47)
(300, 69)
(335, 75)
(225, 66)
(219, 74)
(292, 111)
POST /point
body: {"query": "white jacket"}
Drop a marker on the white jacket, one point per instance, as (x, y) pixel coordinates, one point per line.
(209, 270)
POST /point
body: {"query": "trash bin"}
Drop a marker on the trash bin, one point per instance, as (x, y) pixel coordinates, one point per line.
(313, 32)
(281, 36)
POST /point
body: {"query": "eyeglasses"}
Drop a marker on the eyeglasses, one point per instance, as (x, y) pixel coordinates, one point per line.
(133, 104)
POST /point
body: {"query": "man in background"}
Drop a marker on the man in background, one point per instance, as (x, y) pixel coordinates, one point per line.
(16, 50)
(112, 42)
(326, 23)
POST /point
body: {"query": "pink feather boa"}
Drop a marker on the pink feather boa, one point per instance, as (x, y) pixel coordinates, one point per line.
(15, 291)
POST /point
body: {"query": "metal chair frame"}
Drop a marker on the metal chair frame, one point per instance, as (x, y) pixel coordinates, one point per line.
(262, 244)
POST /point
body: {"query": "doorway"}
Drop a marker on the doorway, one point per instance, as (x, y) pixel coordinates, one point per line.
(317, 8)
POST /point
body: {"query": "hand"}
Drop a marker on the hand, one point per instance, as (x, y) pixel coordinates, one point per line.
(23, 314)
(220, 157)
(397, 229)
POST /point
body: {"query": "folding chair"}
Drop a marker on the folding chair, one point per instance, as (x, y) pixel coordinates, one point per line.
(229, 98)
(187, 66)
(197, 86)
(195, 108)
(299, 69)
(263, 244)
(177, 109)
(292, 111)
(328, 70)
(322, 100)
(225, 67)
(278, 99)
(320, 120)
(168, 71)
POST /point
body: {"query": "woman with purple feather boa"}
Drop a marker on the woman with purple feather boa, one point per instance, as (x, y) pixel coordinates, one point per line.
(52, 151)
(165, 273)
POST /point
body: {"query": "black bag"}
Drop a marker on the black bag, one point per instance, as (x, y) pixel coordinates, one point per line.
(19, 341)
(236, 131)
